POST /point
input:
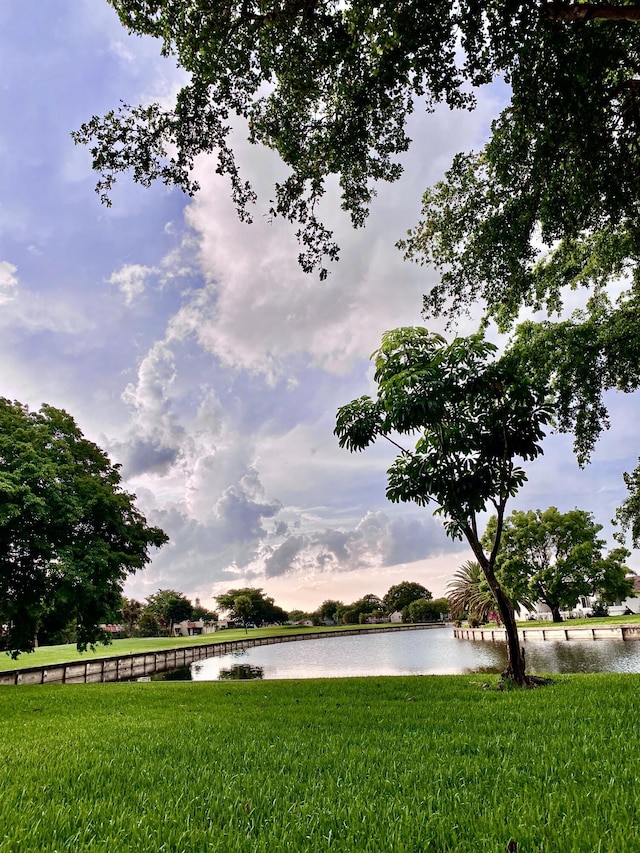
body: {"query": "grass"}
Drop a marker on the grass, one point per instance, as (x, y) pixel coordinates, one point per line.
(405, 765)
(48, 655)
(591, 622)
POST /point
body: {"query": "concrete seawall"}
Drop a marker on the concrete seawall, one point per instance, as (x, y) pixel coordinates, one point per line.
(557, 632)
(131, 666)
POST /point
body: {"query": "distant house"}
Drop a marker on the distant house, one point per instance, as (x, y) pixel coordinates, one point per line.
(190, 628)
(584, 606)
(396, 616)
(632, 604)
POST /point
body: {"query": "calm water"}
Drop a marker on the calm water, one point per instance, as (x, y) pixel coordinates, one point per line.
(428, 652)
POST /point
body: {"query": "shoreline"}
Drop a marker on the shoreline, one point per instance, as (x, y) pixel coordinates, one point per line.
(558, 631)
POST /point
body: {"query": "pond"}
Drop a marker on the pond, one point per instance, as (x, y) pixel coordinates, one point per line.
(430, 652)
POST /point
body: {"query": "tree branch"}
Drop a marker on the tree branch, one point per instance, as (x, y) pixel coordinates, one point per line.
(559, 11)
(395, 444)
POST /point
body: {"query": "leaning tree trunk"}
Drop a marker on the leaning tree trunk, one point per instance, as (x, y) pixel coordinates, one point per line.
(515, 670)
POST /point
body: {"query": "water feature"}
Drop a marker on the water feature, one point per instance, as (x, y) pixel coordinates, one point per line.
(429, 652)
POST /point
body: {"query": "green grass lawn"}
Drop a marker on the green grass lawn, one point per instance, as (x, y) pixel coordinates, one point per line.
(48, 655)
(576, 623)
(379, 764)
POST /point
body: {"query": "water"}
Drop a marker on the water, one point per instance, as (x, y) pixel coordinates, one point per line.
(429, 652)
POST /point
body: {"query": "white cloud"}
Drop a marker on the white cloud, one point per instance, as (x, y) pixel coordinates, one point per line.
(131, 280)
(260, 312)
(8, 282)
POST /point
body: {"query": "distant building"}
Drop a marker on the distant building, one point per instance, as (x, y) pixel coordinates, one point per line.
(190, 628)
(584, 606)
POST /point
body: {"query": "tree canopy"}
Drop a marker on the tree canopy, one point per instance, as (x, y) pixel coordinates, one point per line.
(401, 594)
(168, 606)
(557, 557)
(475, 416)
(549, 204)
(425, 610)
(330, 86)
(69, 534)
(263, 609)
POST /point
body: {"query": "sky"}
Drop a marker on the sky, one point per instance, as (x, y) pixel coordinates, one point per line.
(194, 350)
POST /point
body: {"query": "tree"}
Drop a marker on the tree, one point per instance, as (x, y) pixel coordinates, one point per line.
(69, 534)
(168, 607)
(330, 610)
(263, 608)
(557, 557)
(469, 593)
(200, 612)
(549, 204)
(147, 625)
(628, 514)
(130, 611)
(402, 594)
(243, 608)
(475, 416)
(330, 86)
(425, 610)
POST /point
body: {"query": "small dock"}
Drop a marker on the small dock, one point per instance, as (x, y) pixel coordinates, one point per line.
(556, 631)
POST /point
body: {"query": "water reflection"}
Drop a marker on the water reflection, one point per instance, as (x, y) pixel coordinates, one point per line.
(432, 651)
(241, 672)
(429, 652)
(583, 656)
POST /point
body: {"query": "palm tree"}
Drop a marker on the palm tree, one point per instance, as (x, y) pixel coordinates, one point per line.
(469, 593)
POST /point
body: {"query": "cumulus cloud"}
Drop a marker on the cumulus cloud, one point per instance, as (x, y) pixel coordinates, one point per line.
(8, 281)
(378, 540)
(131, 280)
(259, 311)
(155, 435)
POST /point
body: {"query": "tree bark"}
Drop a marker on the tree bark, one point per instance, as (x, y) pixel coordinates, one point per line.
(516, 670)
(555, 613)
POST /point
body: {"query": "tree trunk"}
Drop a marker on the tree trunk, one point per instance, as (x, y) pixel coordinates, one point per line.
(555, 613)
(515, 671)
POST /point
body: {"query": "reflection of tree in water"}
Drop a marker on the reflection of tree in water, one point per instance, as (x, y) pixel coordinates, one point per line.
(181, 674)
(241, 672)
(582, 656)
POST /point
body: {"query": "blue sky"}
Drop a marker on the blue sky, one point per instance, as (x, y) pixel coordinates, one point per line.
(194, 350)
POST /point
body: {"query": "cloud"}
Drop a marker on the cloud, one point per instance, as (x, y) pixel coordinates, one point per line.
(155, 438)
(240, 511)
(131, 280)
(377, 541)
(260, 313)
(8, 282)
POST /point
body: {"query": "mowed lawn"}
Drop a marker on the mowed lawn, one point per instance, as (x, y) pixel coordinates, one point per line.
(433, 763)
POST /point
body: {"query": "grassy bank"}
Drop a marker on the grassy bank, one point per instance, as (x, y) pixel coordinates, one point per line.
(590, 622)
(379, 764)
(48, 655)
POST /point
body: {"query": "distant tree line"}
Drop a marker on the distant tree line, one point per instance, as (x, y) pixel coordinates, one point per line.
(414, 601)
